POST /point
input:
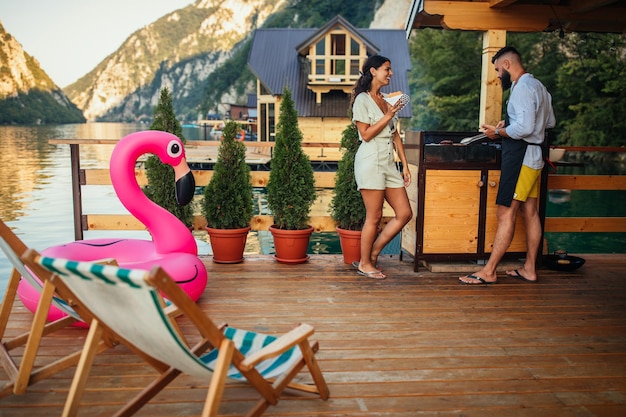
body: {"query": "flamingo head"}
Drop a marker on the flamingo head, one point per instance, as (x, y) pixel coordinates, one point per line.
(173, 153)
(167, 147)
(185, 183)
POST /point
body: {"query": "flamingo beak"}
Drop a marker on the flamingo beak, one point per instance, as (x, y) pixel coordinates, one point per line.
(185, 184)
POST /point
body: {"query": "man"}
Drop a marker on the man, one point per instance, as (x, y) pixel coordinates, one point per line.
(530, 113)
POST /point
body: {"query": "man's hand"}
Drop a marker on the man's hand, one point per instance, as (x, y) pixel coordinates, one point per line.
(490, 130)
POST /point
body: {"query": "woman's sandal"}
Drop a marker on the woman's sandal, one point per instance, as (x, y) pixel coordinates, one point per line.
(372, 274)
(355, 264)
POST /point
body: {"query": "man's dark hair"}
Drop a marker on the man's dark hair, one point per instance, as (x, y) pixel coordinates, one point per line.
(505, 50)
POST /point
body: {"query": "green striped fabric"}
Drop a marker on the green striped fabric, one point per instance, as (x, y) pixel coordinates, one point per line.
(34, 282)
(124, 302)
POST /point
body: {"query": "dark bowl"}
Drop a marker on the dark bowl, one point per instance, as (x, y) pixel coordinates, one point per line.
(563, 262)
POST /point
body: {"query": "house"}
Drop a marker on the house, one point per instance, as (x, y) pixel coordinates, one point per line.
(320, 67)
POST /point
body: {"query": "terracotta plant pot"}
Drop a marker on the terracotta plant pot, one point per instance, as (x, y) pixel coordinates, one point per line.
(350, 241)
(228, 244)
(291, 245)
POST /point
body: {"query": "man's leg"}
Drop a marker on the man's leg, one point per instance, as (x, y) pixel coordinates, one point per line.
(533, 239)
(501, 242)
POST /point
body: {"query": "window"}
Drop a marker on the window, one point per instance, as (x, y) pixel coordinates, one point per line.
(267, 123)
(355, 48)
(334, 61)
(338, 43)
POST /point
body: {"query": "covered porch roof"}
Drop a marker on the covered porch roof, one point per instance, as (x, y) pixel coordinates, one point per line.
(606, 16)
(497, 17)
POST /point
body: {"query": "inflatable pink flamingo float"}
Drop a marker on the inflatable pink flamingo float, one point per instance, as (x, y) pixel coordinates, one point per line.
(172, 247)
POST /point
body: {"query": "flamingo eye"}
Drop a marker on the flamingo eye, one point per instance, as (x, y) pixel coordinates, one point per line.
(174, 149)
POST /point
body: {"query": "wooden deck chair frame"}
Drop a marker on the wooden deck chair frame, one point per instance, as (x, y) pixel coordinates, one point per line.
(161, 342)
(24, 374)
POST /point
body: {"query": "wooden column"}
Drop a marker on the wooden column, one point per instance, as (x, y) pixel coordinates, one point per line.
(490, 90)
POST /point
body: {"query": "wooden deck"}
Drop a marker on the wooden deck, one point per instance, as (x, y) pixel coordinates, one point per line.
(416, 344)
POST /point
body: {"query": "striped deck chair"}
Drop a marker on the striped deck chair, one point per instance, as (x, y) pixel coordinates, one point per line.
(115, 295)
(22, 372)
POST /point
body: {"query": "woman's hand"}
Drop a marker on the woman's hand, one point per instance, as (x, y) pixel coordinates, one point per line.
(392, 110)
(406, 175)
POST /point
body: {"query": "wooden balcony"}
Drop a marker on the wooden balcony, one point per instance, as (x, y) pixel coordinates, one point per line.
(415, 344)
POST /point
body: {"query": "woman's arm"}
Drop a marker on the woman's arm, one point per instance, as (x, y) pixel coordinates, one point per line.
(406, 174)
(368, 132)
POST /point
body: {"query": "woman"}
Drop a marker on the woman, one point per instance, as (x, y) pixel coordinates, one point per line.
(375, 170)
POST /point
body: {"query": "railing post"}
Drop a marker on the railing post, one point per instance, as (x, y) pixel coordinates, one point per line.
(76, 191)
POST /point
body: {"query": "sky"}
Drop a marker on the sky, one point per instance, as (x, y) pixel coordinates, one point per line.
(69, 38)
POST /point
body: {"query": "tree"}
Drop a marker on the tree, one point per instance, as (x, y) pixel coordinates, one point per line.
(445, 79)
(161, 186)
(227, 202)
(592, 84)
(291, 186)
(584, 72)
(346, 206)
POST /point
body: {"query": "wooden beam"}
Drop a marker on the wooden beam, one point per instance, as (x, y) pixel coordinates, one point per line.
(584, 6)
(490, 88)
(586, 224)
(480, 16)
(498, 4)
(258, 222)
(258, 178)
(605, 16)
(326, 224)
(586, 182)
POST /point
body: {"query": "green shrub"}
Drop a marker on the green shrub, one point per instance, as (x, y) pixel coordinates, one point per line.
(291, 186)
(227, 202)
(346, 206)
(161, 186)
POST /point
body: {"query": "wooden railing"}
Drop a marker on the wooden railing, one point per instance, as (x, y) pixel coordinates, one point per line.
(84, 177)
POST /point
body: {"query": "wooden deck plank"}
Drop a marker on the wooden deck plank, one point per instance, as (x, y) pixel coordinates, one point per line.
(416, 344)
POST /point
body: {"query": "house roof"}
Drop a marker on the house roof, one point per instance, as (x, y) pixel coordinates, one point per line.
(274, 59)
(303, 48)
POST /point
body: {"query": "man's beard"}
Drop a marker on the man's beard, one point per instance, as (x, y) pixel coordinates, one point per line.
(506, 80)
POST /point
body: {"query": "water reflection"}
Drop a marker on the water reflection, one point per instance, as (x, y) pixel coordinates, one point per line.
(25, 164)
(36, 191)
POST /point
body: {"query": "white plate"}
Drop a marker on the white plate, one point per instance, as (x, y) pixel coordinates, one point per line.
(402, 97)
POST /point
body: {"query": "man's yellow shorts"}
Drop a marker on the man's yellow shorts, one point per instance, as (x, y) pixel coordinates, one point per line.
(527, 184)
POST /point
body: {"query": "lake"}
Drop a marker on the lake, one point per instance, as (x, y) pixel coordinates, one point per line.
(36, 194)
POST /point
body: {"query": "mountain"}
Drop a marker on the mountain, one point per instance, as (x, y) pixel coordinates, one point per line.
(27, 94)
(198, 52)
(178, 51)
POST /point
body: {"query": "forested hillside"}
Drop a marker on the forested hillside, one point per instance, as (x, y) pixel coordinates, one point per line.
(27, 94)
(585, 73)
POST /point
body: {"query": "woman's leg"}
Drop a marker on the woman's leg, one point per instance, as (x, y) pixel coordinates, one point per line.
(399, 202)
(373, 200)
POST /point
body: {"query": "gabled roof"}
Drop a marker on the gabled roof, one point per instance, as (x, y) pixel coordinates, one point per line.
(275, 61)
(303, 48)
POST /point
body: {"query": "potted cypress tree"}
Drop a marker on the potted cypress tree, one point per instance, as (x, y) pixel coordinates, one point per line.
(291, 188)
(227, 201)
(346, 207)
(161, 186)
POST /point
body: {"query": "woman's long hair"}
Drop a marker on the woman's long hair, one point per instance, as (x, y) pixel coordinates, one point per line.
(364, 83)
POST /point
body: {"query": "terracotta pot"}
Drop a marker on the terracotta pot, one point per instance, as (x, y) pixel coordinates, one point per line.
(228, 244)
(350, 241)
(291, 245)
